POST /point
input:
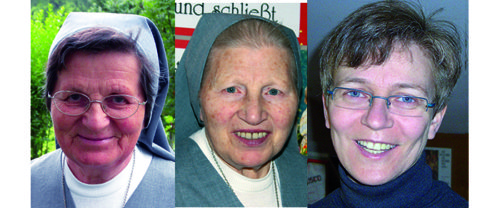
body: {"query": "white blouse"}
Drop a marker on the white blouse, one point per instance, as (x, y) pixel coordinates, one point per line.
(251, 192)
(111, 193)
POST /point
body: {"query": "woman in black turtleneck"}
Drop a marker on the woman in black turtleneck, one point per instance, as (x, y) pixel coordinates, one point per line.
(386, 72)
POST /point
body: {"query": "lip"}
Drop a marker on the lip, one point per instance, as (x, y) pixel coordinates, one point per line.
(252, 142)
(94, 140)
(368, 154)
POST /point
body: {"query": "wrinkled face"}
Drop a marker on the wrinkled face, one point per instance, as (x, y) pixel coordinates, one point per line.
(94, 139)
(398, 140)
(248, 104)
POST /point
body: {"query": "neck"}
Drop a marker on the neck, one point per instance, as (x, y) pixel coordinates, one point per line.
(411, 187)
(91, 174)
(253, 172)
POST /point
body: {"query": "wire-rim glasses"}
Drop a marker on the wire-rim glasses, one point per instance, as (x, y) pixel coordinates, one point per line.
(405, 105)
(115, 106)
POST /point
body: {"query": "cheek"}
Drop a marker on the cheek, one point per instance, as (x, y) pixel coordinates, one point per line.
(129, 126)
(222, 114)
(283, 114)
(342, 120)
(132, 125)
(413, 128)
(63, 124)
(218, 113)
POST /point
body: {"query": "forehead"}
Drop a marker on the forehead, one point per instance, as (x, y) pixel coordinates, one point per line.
(90, 71)
(406, 67)
(248, 62)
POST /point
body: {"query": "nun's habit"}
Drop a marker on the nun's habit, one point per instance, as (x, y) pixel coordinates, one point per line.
(156, 188)
(198, 182)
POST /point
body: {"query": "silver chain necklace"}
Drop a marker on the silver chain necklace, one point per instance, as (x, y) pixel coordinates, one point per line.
(63, 160)
(227, 182)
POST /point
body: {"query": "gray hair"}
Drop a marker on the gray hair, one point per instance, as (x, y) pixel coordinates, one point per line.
(252, 33)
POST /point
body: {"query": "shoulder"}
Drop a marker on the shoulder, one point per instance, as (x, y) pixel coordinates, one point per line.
(446, 197)
(292, 169)
(189, 156)
(46, 159)
(46, 177)
(190, 162)
(46, 164)
(157, 188)
(331, 200)
(197, 182)
(161, 170)
(292, 166)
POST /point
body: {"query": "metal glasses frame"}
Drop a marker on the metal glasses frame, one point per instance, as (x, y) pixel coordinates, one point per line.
(388, 103)
(96, 101)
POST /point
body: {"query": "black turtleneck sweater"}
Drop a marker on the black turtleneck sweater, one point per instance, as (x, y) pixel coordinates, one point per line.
(414, 188)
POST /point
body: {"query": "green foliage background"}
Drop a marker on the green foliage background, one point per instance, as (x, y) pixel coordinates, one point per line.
(47, 16)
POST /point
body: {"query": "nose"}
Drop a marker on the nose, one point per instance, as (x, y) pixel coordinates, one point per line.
(253, 111)
(95, 118)
(377, 116)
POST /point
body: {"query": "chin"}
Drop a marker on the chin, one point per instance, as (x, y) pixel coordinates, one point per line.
(372, 178)
(254, 160)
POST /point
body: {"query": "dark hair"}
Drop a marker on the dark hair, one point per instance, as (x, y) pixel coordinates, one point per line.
(369, 35)
(98, 40)
(252, 33)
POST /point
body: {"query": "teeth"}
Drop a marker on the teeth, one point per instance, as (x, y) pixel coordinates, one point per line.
(252, 136)
(375, 148)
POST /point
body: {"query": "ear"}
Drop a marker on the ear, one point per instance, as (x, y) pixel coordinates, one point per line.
(325, 112)
(436, 123)
(201, 115)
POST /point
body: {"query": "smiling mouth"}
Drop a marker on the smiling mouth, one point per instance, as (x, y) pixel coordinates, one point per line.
(94, 138)
(251, 135)
(374, 147)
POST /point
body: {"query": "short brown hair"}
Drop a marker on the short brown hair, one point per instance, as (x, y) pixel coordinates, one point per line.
(369, 35)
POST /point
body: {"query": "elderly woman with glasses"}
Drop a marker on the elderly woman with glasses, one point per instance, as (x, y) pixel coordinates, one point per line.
(107, 79)
(386, 72)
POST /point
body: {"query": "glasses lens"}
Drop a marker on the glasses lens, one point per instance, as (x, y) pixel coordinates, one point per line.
(351, 98)
(120, 106)
(358, 99)
(71, 103)
(408, 105)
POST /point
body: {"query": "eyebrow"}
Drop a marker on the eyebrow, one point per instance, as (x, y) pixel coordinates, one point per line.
(353, 80)
(411, 86)
(116, 89)
(393, 86)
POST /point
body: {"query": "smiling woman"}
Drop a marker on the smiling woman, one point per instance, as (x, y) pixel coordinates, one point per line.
(94, 138)
(380, 124)
(250, 109)
(386, 72)
(240, 147)
(107, 79)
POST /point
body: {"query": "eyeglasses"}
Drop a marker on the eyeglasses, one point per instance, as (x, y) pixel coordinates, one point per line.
(115, 106)
(398, 104)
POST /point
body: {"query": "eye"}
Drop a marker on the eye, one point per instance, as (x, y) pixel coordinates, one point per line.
(119, 100)
(274, 91)
(231, 90)
(407, 99)
(74, 98)
(355, 93)
(71, 98)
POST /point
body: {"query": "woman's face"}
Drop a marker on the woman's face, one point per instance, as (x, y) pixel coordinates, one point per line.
(374, 145)
(94, 139)
(248, 105)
